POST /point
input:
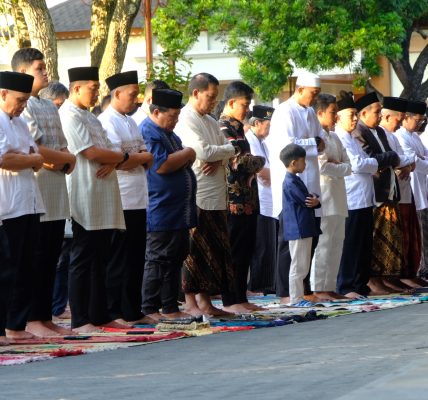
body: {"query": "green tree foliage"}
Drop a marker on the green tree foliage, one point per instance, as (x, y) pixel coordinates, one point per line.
(177, 27)
(273, 36)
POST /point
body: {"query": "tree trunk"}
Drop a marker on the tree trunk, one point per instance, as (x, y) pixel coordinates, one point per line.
(101, 14)
(411, 77)
(117, 41)
(22, 36)
(42, 33)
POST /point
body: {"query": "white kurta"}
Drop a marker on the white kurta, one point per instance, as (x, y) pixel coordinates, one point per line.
(333, 190)
(19, 191)
(293, 123)
(258, 148)
(359, 185)
(405, 159)
(413, 147)
(44, 124)
(125, 137)
(202, 134)
(95, 203)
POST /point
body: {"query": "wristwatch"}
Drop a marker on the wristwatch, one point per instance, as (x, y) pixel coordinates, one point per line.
(125, 157)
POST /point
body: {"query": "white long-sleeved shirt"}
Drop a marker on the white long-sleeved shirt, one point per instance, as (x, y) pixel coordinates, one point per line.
(405, 159)
(293, 123)
(413, 147)
(333, 190)
(359, 185)
(202, 134)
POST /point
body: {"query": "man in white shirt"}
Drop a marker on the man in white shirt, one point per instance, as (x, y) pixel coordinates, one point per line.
(20, 202)
(393, 112)
(45, 127)
(262, 267)
(387, 245)
(413, 146)
(126, 266)
(354, 267)
(208, 268)
(334, 166)
(143, 111)
(95, 202)
(294, 121)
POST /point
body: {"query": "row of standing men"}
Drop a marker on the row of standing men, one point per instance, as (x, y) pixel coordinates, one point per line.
(115, 187)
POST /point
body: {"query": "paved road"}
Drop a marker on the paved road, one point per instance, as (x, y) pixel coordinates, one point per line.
(379, 355)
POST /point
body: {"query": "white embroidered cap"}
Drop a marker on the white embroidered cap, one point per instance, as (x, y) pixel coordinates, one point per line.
(308, 79)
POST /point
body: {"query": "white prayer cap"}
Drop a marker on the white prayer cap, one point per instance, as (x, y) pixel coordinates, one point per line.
(308, 79)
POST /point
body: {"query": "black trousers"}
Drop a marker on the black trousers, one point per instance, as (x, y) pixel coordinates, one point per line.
(263, 260)
(90, 251)
(283, 261)
(6, 278)
(47, 254)
(354, 271)
(242, 236)
(165, 254)
(22, 233)
(126, 267)
(60, 293)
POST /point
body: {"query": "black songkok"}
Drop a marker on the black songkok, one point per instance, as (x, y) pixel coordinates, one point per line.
(16, 81)
(122, 79)
(83, 74)
(168, 98)
(366, 100)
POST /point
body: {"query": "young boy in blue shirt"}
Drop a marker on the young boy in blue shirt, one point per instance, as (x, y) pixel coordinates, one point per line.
(299, 220)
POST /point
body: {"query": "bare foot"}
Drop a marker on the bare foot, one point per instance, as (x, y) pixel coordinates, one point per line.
(215, 312)
(4, 341)
(354, 296)
(194, 311)
(155, 316)
(395, 285)
(337, 296)
(250, 293)
(324, 296)
(237, 309)
(146, 320)
(174, 315)
(252, 306)
(19, 335)
(413, 283)
(115, 324)
(376, 285)
(284, 300)
(88, 328)
(311, 297)
(56, 328)
(37, 328)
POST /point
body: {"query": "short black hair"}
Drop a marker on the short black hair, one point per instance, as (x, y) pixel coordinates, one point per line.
(156, 84)
(237, 89)
(323, 101)
(25, 56)
(291, 152)
(201, 82)
(54, 90)
(153, 107)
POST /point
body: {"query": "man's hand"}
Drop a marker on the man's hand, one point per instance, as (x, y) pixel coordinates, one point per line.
(210, 168)
(191, 155)
(264, 176)
(312, 201)
(37, 160)
(105, 170)
(320, 144)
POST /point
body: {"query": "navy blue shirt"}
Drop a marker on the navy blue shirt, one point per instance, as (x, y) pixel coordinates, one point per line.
(298, 219)
(172, 197)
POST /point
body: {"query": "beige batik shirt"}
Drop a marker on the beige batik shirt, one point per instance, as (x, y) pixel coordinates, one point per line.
(44, 124)
(95, 203)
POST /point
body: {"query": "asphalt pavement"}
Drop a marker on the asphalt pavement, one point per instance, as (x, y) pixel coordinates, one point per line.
(378, 355)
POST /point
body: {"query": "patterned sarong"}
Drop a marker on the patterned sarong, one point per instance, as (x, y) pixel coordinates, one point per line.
(208, 268)
(387, 259)
(411, 240)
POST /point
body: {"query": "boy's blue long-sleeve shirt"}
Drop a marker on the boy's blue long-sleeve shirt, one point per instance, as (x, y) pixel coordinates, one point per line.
(298, 219)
